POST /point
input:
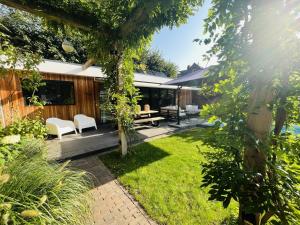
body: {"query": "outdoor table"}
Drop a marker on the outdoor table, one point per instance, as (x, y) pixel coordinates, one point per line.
(145, 116)
(147, 112)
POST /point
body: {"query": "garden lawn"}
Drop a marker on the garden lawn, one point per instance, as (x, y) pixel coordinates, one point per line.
(164, 175)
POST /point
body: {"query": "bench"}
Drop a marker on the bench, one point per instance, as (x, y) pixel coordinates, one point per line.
(154, 120)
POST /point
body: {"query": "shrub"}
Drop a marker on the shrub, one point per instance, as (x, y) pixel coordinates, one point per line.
(26, 127)
(34, 191)
(9, 150)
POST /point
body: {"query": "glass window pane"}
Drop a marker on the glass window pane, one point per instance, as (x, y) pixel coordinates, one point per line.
(54, 93)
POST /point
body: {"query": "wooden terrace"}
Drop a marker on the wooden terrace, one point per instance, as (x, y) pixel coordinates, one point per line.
(106, 138)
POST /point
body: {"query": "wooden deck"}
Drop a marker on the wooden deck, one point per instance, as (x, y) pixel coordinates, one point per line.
(104, 139)
(72, 145)
(91, 141)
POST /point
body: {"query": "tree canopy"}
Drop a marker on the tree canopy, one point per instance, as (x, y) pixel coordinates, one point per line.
(151, 61)
(258, 79)
(110, 21)
(25, 30)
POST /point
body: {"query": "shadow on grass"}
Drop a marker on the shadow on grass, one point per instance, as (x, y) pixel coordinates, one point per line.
(139, 156)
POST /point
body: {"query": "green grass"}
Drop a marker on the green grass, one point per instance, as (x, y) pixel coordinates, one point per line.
(164, 175)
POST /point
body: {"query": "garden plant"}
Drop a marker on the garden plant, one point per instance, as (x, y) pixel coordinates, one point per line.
(34, 191)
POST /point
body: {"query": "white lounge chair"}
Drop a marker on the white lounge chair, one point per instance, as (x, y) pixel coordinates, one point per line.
(192, 109)
(82, 121)
(59, 127)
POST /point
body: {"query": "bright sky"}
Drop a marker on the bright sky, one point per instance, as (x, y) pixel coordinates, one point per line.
(177, 44)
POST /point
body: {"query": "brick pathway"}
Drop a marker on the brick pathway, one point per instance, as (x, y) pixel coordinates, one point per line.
(112, 204)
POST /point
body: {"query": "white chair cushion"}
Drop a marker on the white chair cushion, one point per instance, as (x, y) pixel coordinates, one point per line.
(59, 127)
(82, 121)
(189, 108)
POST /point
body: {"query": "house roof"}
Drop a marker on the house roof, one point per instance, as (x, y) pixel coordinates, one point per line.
(195, 75)
(163, 86)
(140, 79)
(58, 67)
(189, 69)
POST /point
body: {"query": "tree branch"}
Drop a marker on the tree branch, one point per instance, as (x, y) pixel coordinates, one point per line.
(82, 17)
(281, 113)
(140, 15)
(266, 217)
(88, 63)
(280, 117)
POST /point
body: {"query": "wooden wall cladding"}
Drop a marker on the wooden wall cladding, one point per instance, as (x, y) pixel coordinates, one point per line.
(185, 98)
(10, 88)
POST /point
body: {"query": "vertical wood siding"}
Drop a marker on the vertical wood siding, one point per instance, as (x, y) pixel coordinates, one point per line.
(185, 98)
(10, 88)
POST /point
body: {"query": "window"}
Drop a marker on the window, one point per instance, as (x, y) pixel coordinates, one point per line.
(157, 97)
(54, 93)
(105, 114)
(168, 97)
(145, 93)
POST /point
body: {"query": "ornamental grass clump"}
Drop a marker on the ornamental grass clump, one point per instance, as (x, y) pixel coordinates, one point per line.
(37, 192)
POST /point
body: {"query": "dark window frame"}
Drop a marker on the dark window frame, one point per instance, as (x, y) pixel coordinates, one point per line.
(150, 92)
(26, 94)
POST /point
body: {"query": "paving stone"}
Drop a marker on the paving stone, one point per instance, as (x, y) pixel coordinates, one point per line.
(112, 204)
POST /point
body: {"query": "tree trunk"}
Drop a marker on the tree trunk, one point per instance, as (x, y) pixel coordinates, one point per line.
(10, 98)
(120, 87)
(260, 123)
(281, 113)
(123, 139)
